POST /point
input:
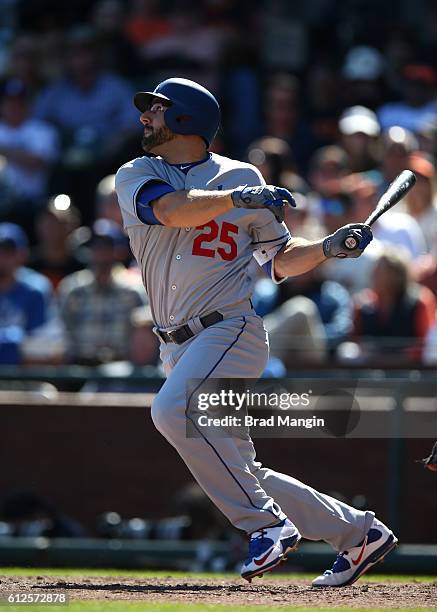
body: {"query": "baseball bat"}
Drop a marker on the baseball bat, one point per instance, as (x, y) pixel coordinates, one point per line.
(395, 192)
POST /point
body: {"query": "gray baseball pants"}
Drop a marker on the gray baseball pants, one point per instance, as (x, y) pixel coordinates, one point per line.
(249, 495)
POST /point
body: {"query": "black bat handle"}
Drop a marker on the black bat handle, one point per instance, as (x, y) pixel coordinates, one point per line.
(395, 192)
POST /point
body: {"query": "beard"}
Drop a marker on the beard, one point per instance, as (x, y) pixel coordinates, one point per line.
(157, 137)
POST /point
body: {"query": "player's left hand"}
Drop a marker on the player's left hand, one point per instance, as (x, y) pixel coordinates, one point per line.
(264, 196)
(333, 245)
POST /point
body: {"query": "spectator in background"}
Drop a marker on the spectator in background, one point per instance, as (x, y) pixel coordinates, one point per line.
(427, 136)
(363, 71)
(336, 211)
(144, 344)
(419, 89)
(272, 156)
(25, 62)
(90, 106)
(51, 44)
(29, 148)
(329, 165)
(106, 207)
(314, 318)
(296, 333)
(25, 274)
(192, 48)
(146, 20)
(96, 305)
(400, 48)
(53, 255)
(359, 129)
(118, 55)
(265, 293)
(332, 300)
(92, 110)
(240, 72)
(421, 203)
(106, 202)
(322, 101)
(424, 272)
(26, 318)
(397, 145)
(393, 318)
(283, 118)
(142, 352)
(303, 220)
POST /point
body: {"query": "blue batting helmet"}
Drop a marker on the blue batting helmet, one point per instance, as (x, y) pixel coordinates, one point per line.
(192, 109)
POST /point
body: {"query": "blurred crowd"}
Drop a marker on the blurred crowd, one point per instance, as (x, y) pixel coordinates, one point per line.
(321, 97)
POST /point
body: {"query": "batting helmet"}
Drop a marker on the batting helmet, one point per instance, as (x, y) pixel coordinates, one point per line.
(192, 109)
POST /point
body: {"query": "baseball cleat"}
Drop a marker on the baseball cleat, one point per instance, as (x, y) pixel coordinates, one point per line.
(269, 547)
(351, 564)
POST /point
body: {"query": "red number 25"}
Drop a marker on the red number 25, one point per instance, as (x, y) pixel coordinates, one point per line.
(229, 253)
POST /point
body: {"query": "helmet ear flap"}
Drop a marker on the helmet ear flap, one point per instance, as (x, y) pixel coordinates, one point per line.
(179, 119)
(183, 119)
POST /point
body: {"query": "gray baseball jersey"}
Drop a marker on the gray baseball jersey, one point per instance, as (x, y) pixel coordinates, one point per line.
(190, 272)
(195, 270)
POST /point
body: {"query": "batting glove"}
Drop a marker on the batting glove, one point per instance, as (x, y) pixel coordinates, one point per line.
(265, 196)
(334, 245)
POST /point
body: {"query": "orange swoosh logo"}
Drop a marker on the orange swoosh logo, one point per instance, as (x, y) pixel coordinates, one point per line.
(263, 559)
(360, 556)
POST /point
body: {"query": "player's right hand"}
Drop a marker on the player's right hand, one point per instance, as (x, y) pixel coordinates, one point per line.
(263, 196)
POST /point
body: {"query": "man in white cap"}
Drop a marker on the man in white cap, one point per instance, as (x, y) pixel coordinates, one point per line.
(359, 129)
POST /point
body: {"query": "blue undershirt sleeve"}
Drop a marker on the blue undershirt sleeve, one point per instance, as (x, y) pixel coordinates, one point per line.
(149, 192)
(267, 267)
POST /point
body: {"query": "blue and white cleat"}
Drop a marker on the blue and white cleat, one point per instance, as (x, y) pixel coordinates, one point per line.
(352, 563)
(269, 547)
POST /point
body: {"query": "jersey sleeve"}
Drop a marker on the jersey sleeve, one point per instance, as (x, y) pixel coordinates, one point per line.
(143, 202)
(267, 240)
(129, 180)
(268, 236)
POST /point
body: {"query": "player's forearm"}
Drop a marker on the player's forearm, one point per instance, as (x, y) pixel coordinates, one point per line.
(191, 208)
(298, 257)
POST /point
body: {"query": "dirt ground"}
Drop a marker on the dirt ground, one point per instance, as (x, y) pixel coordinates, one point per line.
(232, 592)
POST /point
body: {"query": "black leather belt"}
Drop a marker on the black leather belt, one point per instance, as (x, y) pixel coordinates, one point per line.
(184, 333)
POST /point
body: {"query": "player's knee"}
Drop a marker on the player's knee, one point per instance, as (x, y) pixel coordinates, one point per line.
(157, 414)
(164, 412)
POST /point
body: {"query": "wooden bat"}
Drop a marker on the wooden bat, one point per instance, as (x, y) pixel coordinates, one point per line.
(395, 192)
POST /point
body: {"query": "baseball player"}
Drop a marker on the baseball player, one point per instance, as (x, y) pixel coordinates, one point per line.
(194, 220)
